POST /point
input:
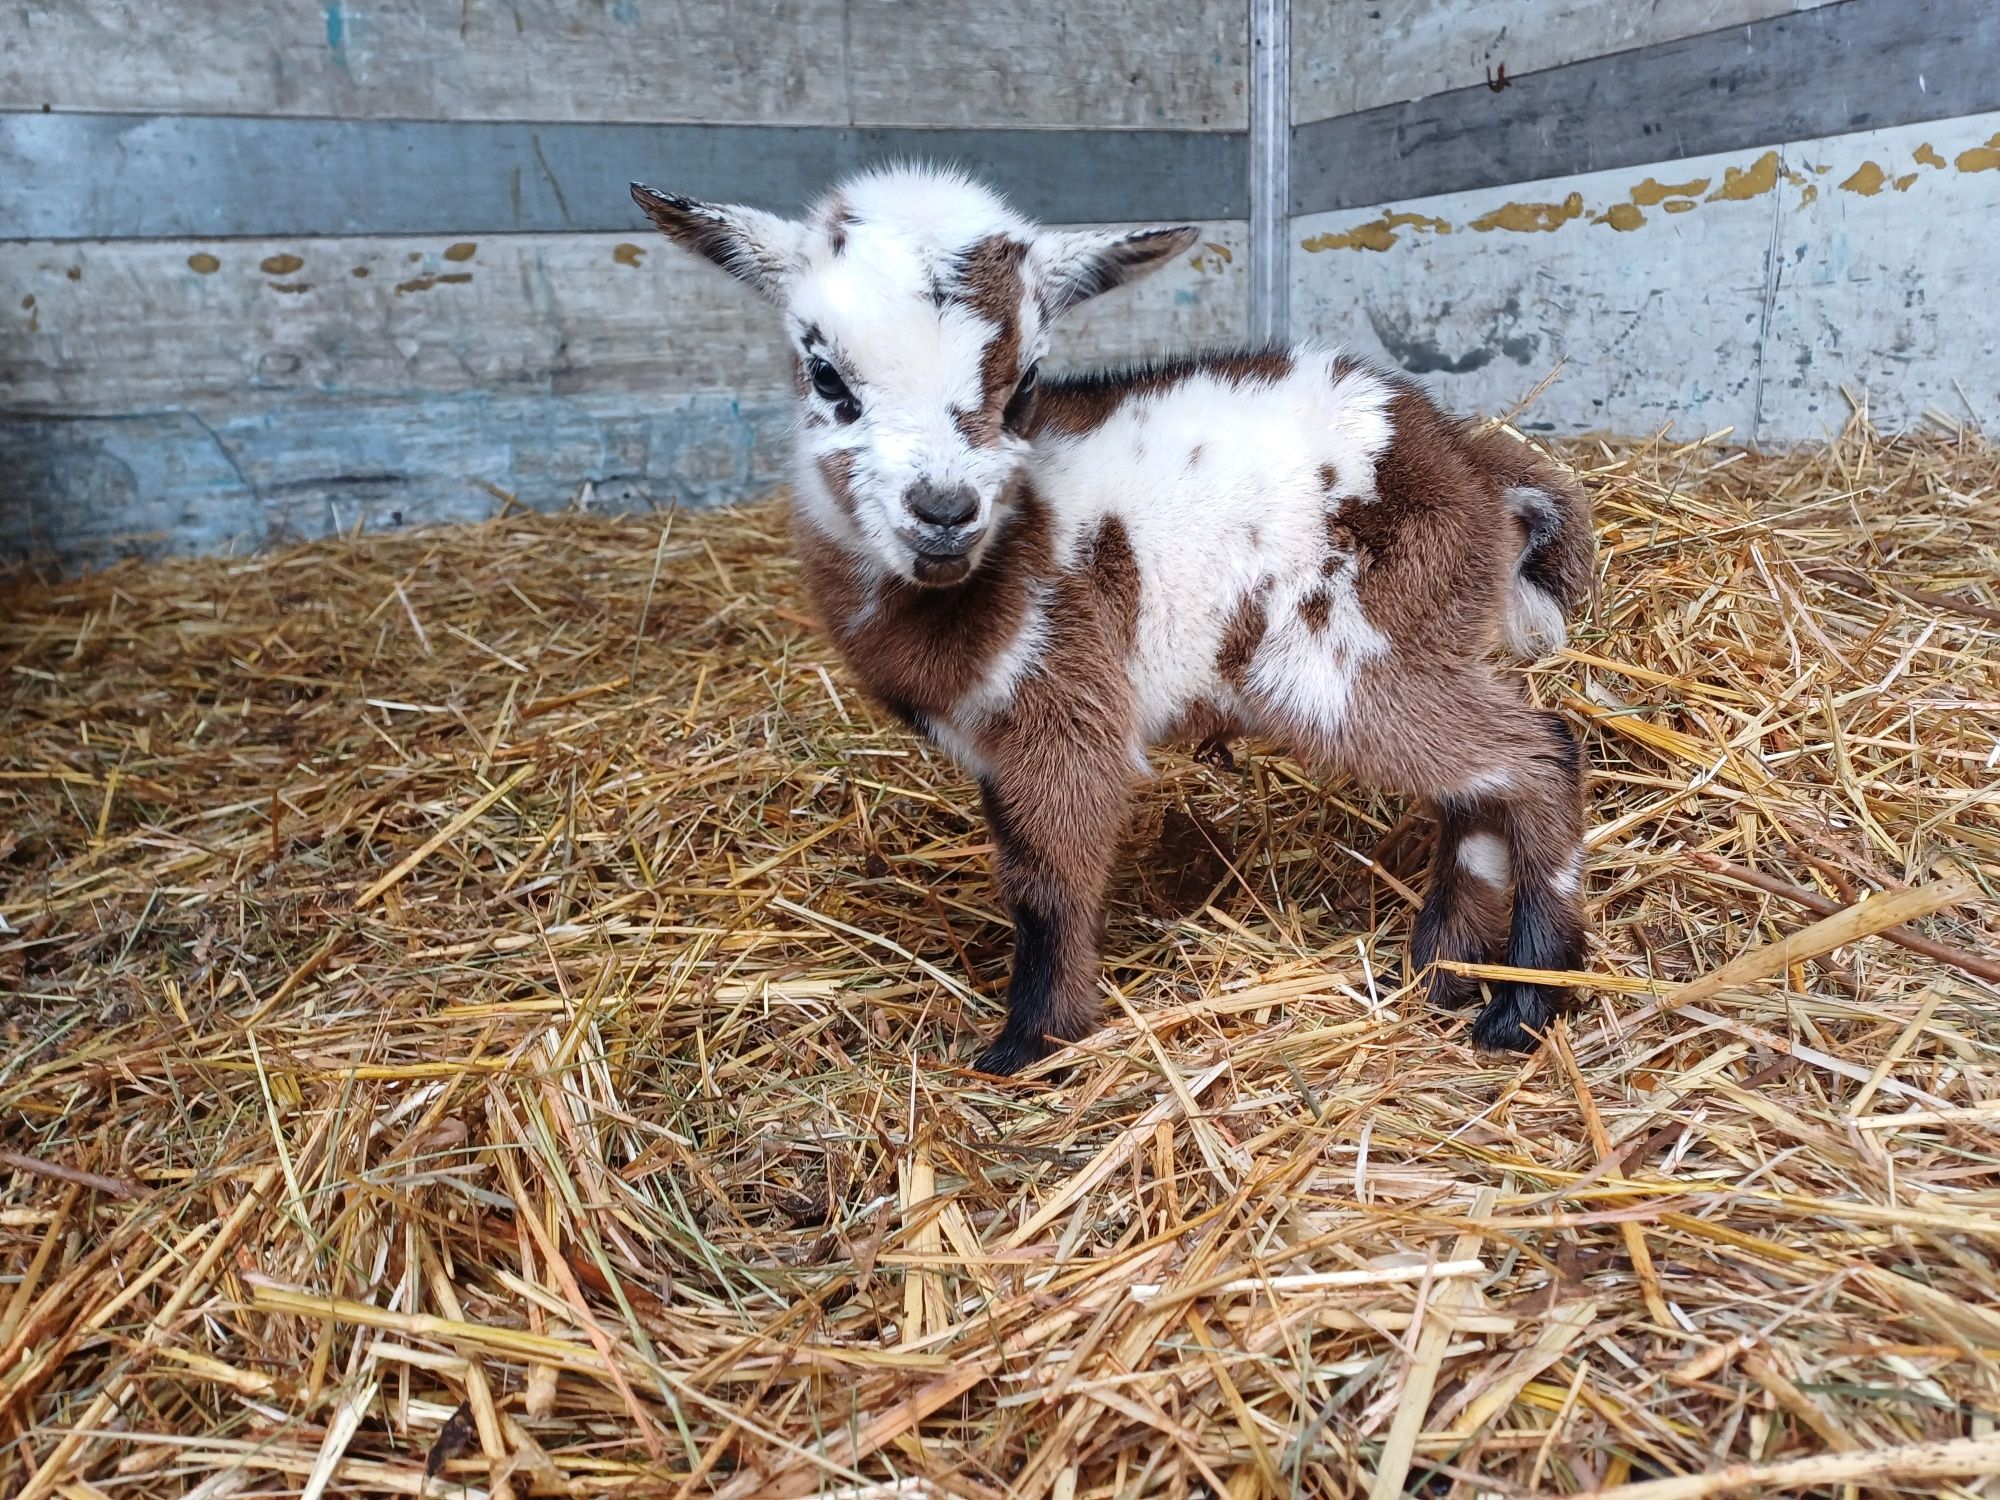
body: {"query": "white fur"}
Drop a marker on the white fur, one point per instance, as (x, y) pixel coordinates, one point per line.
(1568, 881)
(1534, 624)
(1246, 516)
(1484, 857)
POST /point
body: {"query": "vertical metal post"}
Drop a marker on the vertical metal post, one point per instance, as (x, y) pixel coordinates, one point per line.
(1270, 170)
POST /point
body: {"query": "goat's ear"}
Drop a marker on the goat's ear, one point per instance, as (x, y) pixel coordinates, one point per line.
(1077, 264)
(751, 245)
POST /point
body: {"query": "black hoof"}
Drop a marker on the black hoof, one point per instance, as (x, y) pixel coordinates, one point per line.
(1515, 1017)
(1009, 1054)
(1450, 991)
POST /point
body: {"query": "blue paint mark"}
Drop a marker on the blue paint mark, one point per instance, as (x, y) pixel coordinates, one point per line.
(336, 33)
(625, 12)
(1185, 297)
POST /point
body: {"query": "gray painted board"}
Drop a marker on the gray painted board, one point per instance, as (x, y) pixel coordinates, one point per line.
(1856, 65)
(123, 326)
(794, 62)
(166, 176)
(1742, 290)
(1349, 56)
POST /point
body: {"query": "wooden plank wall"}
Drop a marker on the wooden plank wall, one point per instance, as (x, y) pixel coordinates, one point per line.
(1753, 227)
(212, 394)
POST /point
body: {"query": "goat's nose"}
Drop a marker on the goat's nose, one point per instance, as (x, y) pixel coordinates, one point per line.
(941, 505)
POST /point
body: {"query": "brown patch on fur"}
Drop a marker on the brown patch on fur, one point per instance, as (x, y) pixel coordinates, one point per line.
(838, 219)
(1329, 478)
(1344, 549)
(1240, 639)
(989, 284)
(1083, 403)
(1438, 542)
(1113, 568)
(919, 650)
(837, 469)
(1314, 608)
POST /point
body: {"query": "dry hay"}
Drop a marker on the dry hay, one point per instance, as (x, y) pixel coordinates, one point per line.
(492, 1001)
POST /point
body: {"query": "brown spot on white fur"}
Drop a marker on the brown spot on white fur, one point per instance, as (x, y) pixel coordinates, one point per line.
(1240, 639)
(837, 470)
(1082, 403)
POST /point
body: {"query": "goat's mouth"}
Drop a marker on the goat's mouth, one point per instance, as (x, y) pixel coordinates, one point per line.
(937, 563)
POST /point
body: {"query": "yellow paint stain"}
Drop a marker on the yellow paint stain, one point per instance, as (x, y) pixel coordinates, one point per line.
(425, 282)
(1927, 156)
(1221, 250)
(203, 264)
(74, 273)
(1902, 184)
(1984, 158)
(626, 254)
(360, 271)
(1811, 192)
(463, 250)
(1531, 218)
(1867, 180)
(1622, 217)
(1376, 234)
(1651, 193)
(279, 265)
(1752, 181)
(1679, 205)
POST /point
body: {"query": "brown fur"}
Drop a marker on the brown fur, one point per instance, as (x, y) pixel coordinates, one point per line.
(1240, 639)
(989, 283)
(1084, 403)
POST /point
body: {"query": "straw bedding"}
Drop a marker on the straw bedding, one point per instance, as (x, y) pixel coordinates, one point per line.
(487, 1015)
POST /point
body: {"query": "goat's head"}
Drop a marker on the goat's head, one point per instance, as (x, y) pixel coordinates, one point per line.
(918, 307)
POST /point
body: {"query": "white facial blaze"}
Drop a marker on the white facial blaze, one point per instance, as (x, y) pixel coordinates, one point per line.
(885, 309)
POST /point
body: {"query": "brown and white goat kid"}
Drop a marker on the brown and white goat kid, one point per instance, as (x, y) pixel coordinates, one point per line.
(1046, 577)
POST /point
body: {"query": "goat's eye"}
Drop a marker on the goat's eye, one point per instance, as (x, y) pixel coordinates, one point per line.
(1023, 399)
(826, 380)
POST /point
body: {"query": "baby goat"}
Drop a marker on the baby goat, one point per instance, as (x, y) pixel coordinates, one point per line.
(1046, 577)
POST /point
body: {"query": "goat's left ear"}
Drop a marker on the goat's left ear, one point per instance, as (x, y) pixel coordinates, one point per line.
(1077, 264)
(757, 248)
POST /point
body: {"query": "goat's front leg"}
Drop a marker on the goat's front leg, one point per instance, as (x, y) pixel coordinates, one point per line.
(1056, 821)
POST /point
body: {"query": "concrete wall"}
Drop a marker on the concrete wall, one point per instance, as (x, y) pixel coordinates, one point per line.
(248, 292)
(1723, 214)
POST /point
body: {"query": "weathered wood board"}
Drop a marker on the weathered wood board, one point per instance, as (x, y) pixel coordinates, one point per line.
(770, 62)
(1348, 55)
(200, 396)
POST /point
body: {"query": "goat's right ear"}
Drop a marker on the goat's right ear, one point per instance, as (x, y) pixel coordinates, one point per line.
(1075, 265)
(757, 248)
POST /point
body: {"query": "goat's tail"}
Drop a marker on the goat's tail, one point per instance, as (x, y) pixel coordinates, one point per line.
(1557, 565)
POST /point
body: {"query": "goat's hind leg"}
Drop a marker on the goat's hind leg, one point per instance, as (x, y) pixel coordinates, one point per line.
(1464, 915)
(1507, 783)
(1543, 815)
